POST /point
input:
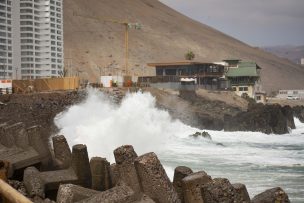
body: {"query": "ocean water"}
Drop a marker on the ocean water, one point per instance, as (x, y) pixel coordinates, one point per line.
(258, 160)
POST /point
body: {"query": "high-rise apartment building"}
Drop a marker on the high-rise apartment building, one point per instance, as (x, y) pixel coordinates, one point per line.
(6, 69)
(34, 38)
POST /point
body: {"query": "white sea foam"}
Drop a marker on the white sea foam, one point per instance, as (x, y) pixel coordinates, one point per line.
(258, 160)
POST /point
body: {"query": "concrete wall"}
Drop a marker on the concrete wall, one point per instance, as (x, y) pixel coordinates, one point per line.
(47, 84)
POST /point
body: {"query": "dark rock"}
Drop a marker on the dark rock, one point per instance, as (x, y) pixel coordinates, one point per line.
(298, 111)
(19, 186)
(204, 121)
(274, 195)
(188, 95)
(288, 112)
(203, 134)
(242, 190)
(259, 118)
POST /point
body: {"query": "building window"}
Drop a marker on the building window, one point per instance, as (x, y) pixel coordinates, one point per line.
(234, 88)
(243, 89)
(258, 98)
(295, 92)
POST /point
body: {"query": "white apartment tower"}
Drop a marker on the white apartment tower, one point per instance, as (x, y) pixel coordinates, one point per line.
(6, 68)
(36, 43)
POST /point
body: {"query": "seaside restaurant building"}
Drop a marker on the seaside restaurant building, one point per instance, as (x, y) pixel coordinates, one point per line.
(172, 75)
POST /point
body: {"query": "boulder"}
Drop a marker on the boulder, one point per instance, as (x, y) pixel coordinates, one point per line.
(242, 191)
(203, 134)
(298, 111)
(274, 195)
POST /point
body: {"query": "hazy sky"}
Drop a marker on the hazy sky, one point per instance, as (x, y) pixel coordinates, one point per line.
(256, 22)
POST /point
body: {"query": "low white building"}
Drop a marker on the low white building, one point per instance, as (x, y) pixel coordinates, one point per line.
(6, 87)
(291, 94)
(302, 61)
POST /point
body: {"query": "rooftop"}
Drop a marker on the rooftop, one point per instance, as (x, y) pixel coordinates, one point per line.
(245, 68)
(179, 63)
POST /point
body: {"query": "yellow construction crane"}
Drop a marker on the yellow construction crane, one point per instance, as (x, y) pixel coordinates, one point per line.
(127, 26)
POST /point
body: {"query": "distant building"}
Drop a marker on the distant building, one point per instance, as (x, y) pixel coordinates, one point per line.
(291, 94)
(31, 38)
(244, 78)
(302, 61)
(6, 66)
(170, 74)
(232, 63)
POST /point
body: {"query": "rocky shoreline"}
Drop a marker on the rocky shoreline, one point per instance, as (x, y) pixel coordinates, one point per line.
(24, 143)
(268, 119)
(132, 179)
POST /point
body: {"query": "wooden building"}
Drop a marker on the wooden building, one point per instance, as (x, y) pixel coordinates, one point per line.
(206, 74)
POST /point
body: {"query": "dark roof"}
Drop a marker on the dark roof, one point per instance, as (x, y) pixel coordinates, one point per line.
(232, 59)
(178, 63)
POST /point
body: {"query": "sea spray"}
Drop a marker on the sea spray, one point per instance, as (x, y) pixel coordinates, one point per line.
(258, 160)
(104, 126)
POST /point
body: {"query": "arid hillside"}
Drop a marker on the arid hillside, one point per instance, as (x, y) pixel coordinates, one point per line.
(293, 53)
(165, 35)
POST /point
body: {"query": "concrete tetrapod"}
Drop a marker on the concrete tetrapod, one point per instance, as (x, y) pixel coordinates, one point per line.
(125, 157)
(180, 172)
(79, 173)
(154, 180)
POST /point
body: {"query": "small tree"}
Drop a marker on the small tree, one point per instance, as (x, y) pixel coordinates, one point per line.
(189, 55)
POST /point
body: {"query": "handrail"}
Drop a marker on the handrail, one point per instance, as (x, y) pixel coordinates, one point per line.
(12, 195)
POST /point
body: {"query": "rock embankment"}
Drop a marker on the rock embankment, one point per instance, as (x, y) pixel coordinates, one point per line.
(218, 115)
(132, 179)
(262, 118)
(37, 108)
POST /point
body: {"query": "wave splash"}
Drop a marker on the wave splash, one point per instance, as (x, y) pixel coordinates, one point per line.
(258, 160)
(103, 126)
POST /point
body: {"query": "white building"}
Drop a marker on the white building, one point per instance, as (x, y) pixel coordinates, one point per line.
(291, 94)
(6, 69)
(302, 61)
(36, 38)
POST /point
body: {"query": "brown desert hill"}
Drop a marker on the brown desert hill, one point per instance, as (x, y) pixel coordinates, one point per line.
(166, 35)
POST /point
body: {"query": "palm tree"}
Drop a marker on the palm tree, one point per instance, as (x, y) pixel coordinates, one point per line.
(189, 55)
